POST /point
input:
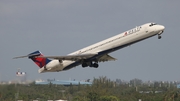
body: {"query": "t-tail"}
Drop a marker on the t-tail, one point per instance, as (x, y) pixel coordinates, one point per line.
(38, 60)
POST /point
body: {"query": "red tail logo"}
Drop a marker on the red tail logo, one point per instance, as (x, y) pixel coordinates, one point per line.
(39, 61)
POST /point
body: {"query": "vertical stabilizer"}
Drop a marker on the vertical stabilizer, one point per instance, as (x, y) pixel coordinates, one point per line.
(37, 60)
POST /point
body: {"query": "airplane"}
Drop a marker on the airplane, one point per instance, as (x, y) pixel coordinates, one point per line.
(99, 52)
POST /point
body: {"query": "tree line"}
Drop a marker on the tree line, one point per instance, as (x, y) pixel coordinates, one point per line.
(102, 89)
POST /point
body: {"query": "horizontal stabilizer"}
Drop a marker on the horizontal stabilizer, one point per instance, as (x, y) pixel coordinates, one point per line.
(30, 55)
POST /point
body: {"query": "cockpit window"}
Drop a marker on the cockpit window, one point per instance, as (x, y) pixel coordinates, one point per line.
(152, 24)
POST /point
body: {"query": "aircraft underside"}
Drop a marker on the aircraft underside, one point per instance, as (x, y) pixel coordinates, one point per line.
(92, 62)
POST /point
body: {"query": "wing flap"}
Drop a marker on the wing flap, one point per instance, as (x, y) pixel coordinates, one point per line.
(106, 58)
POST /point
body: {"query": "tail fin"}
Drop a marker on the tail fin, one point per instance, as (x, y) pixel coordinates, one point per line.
(37, 60)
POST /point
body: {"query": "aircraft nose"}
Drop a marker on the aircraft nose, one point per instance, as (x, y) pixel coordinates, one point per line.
(160, 28)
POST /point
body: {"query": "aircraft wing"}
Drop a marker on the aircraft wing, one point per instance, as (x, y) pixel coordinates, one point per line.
(70, 57)
(106, 58)
(74, 57)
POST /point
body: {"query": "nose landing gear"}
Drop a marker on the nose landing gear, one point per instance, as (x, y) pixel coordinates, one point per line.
(159, 36)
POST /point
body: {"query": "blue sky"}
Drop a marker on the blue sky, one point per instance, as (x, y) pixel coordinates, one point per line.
(60, 27)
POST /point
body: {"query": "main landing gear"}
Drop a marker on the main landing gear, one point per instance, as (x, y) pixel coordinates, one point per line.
(90, 64)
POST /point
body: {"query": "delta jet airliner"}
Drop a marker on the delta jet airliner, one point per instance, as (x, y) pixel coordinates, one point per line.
(99, 52)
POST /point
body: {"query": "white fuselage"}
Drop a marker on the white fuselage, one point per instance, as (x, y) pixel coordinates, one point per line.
(109, 45)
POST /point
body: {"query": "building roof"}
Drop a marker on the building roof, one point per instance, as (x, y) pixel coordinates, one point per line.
(64, 82)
